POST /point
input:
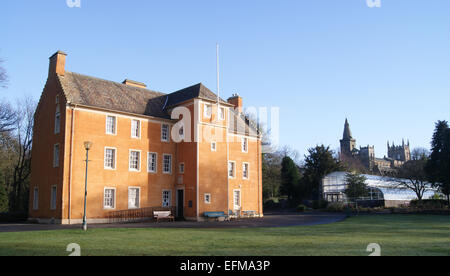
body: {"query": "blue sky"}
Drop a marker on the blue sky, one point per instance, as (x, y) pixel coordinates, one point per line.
(387, 69)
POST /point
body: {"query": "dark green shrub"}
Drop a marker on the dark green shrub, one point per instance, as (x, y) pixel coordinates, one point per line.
(301, 208)
(13, 217)
(319, 204)
(336, 207)
(271, 204)
(428, 204)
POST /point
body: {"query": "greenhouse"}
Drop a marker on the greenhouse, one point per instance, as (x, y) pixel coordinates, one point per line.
(382, 189)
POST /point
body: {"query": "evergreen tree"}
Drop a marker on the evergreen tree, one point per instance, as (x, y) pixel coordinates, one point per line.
(290, 177)
(438, 167)
(357, 186)
(271, 174)
(318, 163)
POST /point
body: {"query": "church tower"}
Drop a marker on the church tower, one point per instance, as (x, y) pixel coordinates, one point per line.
(348, 144)
(400, 153)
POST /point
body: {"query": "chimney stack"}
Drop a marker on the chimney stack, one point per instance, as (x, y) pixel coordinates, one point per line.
(134, 83)
(236, 100)
(57, 64)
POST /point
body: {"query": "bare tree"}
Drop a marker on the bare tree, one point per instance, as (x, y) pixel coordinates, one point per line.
(412, 176)
(419, 153)
(3, 76)
(7, 117)
(24, 136)
(290, 152)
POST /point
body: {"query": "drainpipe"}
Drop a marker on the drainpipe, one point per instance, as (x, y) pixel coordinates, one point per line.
(71, 163)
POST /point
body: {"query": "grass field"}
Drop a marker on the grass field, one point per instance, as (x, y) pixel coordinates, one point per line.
(396, 234)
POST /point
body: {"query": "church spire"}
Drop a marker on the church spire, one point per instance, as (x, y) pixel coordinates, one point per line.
(347, 131)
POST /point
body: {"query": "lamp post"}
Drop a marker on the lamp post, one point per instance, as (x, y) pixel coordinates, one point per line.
(87, 146)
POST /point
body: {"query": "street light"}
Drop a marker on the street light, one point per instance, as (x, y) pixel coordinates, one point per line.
(87, 146)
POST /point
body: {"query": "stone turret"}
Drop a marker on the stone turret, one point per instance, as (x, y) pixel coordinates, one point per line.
(400, 153)
(348, 144)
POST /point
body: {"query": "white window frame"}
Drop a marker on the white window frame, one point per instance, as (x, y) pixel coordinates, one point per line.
(167, 138)
(234, 169)
(214, 146)
(248, 171)
(170, 198)
(207, 107)
(182, 168)
(139, 126)
(222, 113)
(138, 198)
(139, 161)
(237, 207)
(53, 197)
(163, 164)
(208, 196)
(114, 198)
(115, 125)
(148, 162)
(244, 144)
(115, 159)
(56, 157)
(36, 198)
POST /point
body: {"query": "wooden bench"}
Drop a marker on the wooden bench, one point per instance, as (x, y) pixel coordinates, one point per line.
(215, 215)
(163, 215)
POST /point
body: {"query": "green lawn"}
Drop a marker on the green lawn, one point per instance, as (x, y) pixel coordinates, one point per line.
(396, 234)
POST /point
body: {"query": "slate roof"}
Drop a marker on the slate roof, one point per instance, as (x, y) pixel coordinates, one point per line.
(90, 91)
(195, 91)
(94, 92)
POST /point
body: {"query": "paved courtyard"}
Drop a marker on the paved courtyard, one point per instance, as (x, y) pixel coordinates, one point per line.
(270, 220)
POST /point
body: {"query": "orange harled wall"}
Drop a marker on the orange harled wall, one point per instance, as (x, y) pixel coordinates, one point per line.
(206, 171)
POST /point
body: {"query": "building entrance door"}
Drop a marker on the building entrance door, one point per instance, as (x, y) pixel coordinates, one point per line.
(180, 204)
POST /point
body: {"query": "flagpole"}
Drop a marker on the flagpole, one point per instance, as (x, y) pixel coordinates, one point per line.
(218, 78)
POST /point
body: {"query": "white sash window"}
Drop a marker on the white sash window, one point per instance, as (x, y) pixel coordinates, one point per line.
(133, 198)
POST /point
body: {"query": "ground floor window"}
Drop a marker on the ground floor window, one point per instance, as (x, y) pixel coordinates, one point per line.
(109, 198)
(53, 198)
(208, 198)
(237, 199)
(167, 198)
(133, 198)
(36, 198)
